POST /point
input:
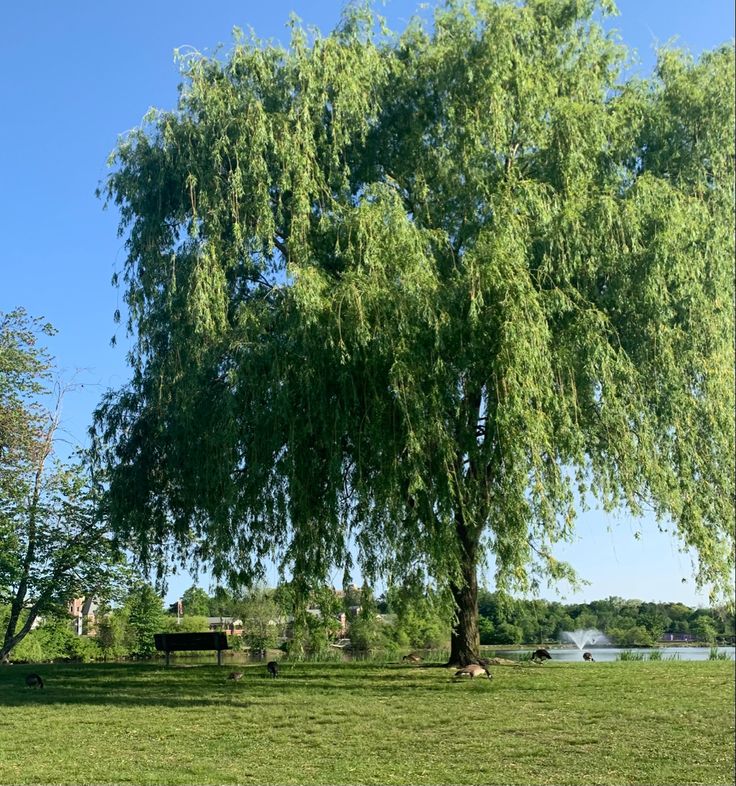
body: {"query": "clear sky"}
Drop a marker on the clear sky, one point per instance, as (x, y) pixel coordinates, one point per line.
(76, 75)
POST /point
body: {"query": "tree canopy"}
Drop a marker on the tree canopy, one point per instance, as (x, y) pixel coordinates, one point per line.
(413, 297)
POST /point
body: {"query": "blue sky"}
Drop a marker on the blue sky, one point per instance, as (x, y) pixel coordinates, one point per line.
(76, 75)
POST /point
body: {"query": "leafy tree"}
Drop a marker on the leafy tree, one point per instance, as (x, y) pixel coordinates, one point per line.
(222, 603)
(586, 620)
(111, 631)
(486, 631)
(196, 601)
(145, 613)
(406, 294)
(314, 616)
(654, 619)
(423, 615)
(634, 636)
(507, 633)
(24, 372)
(704, 629)
(261, 617)
(352, 597)
(53, 544)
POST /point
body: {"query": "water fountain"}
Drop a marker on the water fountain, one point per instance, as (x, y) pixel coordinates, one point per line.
(581, 638)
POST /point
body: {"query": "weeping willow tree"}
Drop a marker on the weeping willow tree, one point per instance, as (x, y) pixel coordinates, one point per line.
(407, 299)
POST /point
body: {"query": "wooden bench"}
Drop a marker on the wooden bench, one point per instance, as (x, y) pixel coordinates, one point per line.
(186, 642)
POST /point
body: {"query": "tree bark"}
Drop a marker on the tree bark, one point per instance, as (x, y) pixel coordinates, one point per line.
(465, 638)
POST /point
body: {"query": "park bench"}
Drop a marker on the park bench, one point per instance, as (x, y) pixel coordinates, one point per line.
(187, 642)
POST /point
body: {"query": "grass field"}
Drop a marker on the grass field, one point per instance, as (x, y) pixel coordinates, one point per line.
(577, 723)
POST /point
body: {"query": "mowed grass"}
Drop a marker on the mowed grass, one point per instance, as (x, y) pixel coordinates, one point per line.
(356, 723)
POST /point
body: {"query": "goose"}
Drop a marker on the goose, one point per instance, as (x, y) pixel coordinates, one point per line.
(235, 675)
(412, 657)
(540, 655)
(473, 670)
(587, 656)
(34, 680)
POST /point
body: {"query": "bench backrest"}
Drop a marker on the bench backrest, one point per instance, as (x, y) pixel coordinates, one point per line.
(171, 642)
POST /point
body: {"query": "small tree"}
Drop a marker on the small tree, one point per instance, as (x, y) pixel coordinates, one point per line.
(261, 619)
(196, 601)
(111, 631)
(704, 630)
(54, 546)
(145, 614)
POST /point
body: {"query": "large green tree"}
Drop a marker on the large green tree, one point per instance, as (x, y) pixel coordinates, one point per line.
(412, 296)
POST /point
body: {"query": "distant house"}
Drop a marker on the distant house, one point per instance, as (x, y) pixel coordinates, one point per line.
(230, 625)
(340, 619)
(83, 612)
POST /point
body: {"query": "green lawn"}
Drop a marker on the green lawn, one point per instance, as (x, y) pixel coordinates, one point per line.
(577, 723)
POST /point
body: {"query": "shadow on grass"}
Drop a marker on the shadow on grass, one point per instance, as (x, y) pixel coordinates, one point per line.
(179, 686)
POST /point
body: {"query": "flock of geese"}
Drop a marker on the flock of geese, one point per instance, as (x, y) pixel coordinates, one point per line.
(470, 671)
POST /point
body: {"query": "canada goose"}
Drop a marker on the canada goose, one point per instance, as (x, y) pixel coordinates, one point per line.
(540, 655)
(412, 657)
(587, 656)
(473, 670)
(273, 668)
(235, 675)
(34, 681)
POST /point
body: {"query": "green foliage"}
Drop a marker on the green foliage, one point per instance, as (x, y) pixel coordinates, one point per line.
(506, 633)
(196, 601)
(189, 623)
(423, 616)
(626, 622)
(112, 632)
(418, 293)
(704, 629)
(145, 616)
(54, 544)
(487, 631)
(367, 633)
(635, 636)
(261, 616)
(54, 640)
(24, 375)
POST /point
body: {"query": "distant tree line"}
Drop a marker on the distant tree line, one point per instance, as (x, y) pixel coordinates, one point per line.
(629, 623)
(402, 618)
(412, 617)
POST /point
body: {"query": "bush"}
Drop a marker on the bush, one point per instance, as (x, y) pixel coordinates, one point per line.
(85, 649)
(30, 649)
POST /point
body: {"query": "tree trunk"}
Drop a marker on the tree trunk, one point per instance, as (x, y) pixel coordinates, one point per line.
(465, 639)
(12, 638)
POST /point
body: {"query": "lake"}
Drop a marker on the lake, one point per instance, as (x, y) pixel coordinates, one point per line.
(613, 653)
(566, 654)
